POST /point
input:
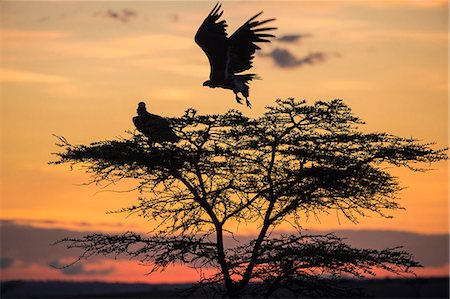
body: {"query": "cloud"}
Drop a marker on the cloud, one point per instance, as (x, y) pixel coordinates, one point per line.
(69, 225)
(292, 38)
(429, 250)
(6, 262)
(381, 35)
(137, 46)
(79, 269)
(29, 244)
(44, 19)
(16, 240)
(14, 75)
(124, 15)
(174, 17)
(409, 3)
(285, 59)
(31, 35)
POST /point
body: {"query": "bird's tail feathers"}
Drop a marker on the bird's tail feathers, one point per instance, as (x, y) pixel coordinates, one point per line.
(241, 83)
(248, 77)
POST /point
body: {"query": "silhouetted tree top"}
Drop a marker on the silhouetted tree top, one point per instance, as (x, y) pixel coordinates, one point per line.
(293, 161)
(310, 158)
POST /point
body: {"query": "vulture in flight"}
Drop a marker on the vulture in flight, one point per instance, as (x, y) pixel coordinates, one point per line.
(153, 126)
(230, 56)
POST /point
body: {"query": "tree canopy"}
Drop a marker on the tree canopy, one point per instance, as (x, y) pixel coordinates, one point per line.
(294, 161)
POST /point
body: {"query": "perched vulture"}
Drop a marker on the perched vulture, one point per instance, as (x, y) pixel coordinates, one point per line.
(155, 127)
(229, 56)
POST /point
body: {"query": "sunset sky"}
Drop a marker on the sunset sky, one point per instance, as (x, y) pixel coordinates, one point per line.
(78, 69)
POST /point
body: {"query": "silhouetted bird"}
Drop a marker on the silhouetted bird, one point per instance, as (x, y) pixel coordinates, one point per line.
(155, 127)
(233, 55)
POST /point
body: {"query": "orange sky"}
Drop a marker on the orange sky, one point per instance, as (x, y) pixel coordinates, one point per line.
(69, 69)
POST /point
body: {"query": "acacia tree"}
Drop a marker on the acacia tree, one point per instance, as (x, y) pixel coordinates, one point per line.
(294, 161)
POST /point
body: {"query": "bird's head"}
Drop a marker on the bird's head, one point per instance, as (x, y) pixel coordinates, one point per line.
(208, 83)
(141, 108)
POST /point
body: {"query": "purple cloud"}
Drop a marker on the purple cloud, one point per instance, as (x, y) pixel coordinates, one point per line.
(430, 250)
(124, 15)
(6, 262)
(283, 58)
(79, 269)
(292, 38)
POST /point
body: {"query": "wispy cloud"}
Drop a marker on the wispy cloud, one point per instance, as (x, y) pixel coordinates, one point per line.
(44, 19)
(6, 262)
(12, 34)
(79, 269)
(397, 34)
(144, 45)
(417, 3)
(125, 15)
(292, 38)
(13, 75)
(15, 240)
(174, 17)
(68, 225)
(283, 58)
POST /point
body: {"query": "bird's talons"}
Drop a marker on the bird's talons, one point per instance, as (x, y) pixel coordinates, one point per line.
(238, 99)
(247, 102)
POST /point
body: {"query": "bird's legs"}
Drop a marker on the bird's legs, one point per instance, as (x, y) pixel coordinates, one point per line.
(238, 99)
(247, 102)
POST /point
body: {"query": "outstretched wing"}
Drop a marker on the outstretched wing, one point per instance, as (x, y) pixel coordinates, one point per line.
(243, 42)
(212, 38)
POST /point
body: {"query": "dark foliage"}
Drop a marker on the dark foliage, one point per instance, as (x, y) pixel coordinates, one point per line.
(295, 161)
